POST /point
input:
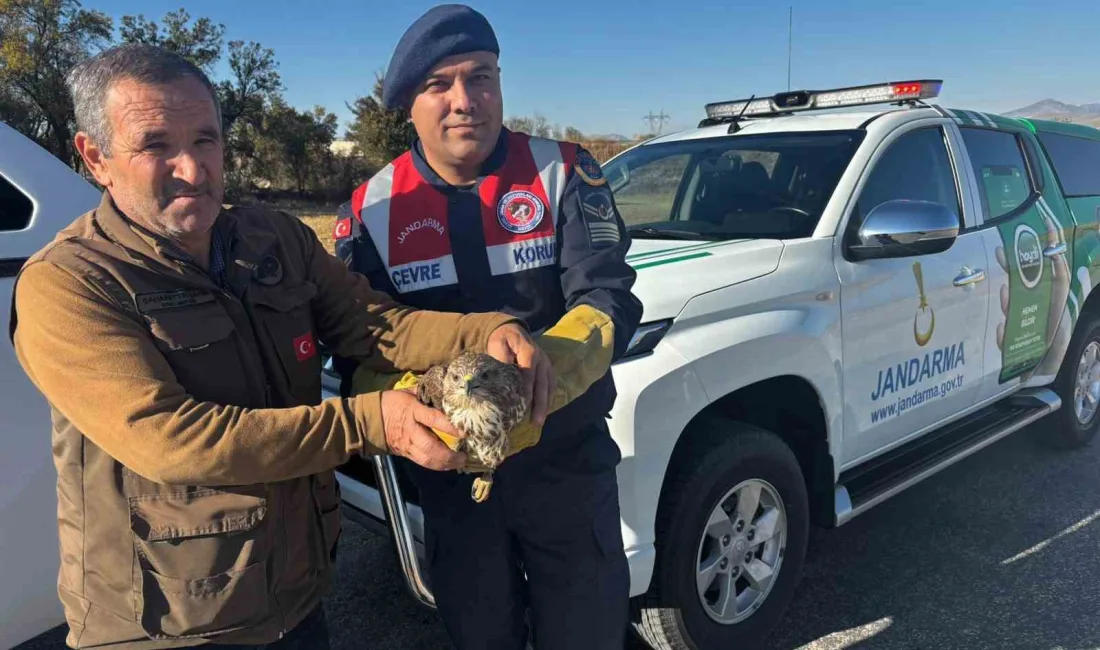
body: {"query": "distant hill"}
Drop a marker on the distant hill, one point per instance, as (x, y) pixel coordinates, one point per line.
(609, 137)
(1052, 109)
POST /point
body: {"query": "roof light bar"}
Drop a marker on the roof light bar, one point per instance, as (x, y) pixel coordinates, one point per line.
(808, 100)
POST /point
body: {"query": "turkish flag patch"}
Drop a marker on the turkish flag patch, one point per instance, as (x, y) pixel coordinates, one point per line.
(342, 229)
(304, 347)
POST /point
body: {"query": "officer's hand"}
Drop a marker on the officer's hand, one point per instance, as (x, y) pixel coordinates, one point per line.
(409, 423)
(512, 344)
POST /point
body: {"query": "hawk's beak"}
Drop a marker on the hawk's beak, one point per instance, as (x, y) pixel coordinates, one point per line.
(469, 383)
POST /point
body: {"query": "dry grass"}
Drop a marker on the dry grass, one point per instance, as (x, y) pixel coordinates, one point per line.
(320, 218)
(322, 224)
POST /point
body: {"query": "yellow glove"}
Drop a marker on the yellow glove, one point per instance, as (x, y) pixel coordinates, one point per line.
(579, 347)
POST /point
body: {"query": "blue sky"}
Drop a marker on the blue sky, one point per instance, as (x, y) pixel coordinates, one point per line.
(602, 65)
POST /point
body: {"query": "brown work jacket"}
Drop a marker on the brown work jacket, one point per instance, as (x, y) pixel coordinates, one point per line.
(195, 457)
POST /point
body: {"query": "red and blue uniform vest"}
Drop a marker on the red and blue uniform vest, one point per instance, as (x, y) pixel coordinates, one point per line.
(536, 235)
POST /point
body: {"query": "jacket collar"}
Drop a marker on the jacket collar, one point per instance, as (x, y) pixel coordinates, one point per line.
(496, 158)
(244, 247)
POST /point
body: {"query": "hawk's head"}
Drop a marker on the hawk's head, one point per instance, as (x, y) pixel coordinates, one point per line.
(482, 396)
(472, 377)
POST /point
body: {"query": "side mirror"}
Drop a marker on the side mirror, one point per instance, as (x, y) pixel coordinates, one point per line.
(904, 228)
(617, 176)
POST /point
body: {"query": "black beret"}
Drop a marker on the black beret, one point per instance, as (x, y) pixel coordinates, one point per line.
(443, 31)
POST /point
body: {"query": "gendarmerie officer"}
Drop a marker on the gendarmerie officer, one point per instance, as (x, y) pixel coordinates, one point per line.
(478, 218)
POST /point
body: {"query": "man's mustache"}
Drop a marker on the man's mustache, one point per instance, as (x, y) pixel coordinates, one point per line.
(184, 189)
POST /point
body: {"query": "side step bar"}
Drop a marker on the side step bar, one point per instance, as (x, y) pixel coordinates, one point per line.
(397, 516)
(864, 487)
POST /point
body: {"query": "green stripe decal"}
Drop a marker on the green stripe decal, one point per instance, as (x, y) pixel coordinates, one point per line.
(672, 259)
(682, 249)
(671, 251)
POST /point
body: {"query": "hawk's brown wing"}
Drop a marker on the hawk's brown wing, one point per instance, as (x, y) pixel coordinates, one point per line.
(429, 388)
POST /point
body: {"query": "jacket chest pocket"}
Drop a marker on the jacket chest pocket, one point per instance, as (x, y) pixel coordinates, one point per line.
(199, 343)
(284, 317)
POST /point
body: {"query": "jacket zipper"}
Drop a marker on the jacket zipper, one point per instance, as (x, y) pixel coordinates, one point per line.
(254, 351)
(282, 501)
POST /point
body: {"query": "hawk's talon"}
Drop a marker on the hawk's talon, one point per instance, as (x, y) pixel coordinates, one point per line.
(479, 491)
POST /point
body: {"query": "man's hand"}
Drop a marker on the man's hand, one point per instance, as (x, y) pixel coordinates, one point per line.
(512, 344)
(409, 424)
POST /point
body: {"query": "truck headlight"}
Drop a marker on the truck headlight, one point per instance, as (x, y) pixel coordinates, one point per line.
(645, 338)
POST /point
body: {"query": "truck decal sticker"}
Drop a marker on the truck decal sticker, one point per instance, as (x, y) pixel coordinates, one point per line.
(1085, 213)
(918, 369)
(1036, 289)
(901, 405)
(671, 260)
(675, 250)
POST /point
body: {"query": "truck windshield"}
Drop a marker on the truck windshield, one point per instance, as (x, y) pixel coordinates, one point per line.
(740, 186)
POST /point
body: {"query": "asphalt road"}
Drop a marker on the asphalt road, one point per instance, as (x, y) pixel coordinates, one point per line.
(999, 551)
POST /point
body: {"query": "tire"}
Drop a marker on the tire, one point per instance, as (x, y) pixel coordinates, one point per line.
(1067, 431)
(671, 615)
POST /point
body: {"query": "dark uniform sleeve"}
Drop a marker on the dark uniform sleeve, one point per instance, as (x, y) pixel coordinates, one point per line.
(592, 246)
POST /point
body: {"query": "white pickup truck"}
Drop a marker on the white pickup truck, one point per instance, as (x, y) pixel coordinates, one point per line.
(838, 304)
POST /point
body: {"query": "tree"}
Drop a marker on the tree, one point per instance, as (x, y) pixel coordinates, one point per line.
(300, 142)
(40, 40)
(255, 79)
(200, 44)
(537, 126)
(254, 85)
(380, 134)
(573, 134)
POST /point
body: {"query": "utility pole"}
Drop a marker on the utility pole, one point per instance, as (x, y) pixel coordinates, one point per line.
(659, 120)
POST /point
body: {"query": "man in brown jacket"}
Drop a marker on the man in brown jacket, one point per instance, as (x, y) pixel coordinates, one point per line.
(177, 344)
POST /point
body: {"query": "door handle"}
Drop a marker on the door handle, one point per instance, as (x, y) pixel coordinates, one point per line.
(970, 277)
(1054, 251)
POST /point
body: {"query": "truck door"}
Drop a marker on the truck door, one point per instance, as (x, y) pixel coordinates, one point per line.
(913, 327)
(39, 195)
(1027, 237)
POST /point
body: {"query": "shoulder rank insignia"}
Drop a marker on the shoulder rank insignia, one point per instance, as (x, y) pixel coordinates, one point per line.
(588, 169)
(599, 218)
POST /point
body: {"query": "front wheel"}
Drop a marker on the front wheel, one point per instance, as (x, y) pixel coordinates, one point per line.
(731, 539)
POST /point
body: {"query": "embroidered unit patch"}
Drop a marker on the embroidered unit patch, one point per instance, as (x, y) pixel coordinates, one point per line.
(520, 211)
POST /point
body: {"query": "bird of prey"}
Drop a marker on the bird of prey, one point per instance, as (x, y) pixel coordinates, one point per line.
(482, 397)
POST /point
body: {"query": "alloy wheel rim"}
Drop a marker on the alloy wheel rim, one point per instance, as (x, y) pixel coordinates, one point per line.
(740, 551)
(1086, 390)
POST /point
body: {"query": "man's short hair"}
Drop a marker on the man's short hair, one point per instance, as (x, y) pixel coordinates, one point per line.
(89, 82)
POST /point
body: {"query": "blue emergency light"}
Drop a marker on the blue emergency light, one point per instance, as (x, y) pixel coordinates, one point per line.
(808, 100)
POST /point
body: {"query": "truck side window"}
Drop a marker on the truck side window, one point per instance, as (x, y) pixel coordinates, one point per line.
(1076, 162)
(15, 207)
(916, 167)
(1000, 168)
(649, 194)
